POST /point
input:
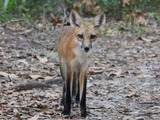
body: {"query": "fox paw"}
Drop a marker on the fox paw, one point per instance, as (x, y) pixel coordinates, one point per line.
(65, 112)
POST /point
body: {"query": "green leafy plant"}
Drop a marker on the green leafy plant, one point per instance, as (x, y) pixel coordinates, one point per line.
(153, 15)
(37, 8)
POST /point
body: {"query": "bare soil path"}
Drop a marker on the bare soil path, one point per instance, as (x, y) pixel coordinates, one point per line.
(123, 80)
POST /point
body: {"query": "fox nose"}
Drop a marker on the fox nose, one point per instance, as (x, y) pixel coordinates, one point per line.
(86, 48)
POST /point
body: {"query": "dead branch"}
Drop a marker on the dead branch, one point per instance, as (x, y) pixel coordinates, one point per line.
(24, 32)
(11, 21)
(24, 107)
(37, 85)
(65, 9)
(18, 32)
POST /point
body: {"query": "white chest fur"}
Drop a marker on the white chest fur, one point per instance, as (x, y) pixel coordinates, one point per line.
(82, 58)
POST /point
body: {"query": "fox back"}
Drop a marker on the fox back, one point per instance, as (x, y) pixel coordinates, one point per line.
(74, 50)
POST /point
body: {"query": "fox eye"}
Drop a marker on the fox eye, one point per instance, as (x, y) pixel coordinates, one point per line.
(93, 36)
(80, 36)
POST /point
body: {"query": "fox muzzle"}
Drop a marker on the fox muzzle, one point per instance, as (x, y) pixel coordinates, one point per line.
(86, 48)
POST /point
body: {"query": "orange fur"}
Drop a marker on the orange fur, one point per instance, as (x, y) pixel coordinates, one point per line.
(76, 42)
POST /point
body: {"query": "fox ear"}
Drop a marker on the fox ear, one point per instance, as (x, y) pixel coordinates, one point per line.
(75, 19)
(99, 20)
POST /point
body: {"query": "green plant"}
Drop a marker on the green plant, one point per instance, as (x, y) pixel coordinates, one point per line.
(36, 8)
(110, 6)
(153, 15)
(27, 8)
(10, 5)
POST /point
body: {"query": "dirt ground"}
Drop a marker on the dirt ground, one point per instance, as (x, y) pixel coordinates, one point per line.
(123, 80)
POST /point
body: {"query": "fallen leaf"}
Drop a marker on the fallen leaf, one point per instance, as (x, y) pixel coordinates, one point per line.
(9, 76)
(132, 94)
(48, 77)
(23, 61)
(96, 70)
(117, 72)
(42, 59)
(17, 114)
(126, 2)
(37, 104)
(146, 76)
(77, 4)
(34, 117)
(89, 84)
(152, 55)
(23, 75)
(36, 77)
(145, 39)
(139, 18)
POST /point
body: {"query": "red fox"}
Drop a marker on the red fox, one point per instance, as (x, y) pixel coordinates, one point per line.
(74, 50)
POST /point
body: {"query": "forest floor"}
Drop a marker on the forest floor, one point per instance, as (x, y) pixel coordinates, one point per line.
(123, 80)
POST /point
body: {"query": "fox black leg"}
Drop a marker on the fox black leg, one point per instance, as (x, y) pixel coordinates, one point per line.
(77, 96)
(67, 98)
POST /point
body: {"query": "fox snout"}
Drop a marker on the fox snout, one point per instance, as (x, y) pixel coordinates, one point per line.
(86, 48)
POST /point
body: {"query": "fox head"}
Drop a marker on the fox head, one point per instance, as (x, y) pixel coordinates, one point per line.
(85, 33)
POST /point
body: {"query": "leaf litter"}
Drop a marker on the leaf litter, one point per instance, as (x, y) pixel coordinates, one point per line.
(123, 80)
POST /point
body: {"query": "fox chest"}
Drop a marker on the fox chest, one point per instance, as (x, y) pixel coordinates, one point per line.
(81, 61)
